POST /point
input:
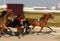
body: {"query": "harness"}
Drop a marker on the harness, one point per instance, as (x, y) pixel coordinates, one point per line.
(38, 19)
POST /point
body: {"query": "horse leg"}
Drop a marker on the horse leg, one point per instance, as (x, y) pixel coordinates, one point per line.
(51, 29)
(41, 29)
(27, 29)
(32, 29)
(0, 32)
(18, 30)
(22, 30)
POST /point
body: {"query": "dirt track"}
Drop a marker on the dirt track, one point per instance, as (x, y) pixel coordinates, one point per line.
(46, 35)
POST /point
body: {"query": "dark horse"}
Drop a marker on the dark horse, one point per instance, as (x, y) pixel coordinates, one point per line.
(43, 21)
(22, 23)
(17, 23)
(5, 23)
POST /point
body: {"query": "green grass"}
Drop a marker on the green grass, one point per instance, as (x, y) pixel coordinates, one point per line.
(51, 22)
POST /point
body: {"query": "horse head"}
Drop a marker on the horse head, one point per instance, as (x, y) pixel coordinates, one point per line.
(47, 16)
(51, 16)
(20, 18)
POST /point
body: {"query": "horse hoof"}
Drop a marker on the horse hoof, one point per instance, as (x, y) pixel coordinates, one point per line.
(39, 32)
(19, 37)
(0, 36)
(54, 31)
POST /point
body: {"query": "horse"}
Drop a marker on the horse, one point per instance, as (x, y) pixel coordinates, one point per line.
(17, 23)
(3, 19)
(43, 21)
(6, 22)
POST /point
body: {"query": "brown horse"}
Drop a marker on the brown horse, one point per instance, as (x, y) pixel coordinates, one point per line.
(43, 21)
(17, 24)
(3, 21)
(19, 20)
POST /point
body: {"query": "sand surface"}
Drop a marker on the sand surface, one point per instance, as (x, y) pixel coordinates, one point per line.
(46, 35)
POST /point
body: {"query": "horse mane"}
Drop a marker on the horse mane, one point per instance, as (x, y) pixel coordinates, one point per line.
(3, 13)
(43, 17)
